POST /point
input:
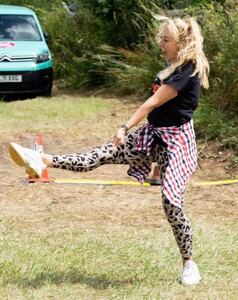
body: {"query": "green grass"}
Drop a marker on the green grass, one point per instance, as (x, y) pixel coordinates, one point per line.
(60, 112)
(124, 264)
(121, 262)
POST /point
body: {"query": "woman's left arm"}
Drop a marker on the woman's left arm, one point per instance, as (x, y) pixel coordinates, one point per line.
(165, 93)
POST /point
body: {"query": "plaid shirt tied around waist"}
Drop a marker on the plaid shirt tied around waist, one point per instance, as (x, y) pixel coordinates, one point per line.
(182, 157)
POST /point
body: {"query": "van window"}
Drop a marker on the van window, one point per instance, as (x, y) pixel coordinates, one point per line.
(19, 28)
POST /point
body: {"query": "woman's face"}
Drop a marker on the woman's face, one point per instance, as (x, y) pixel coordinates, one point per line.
(168, 45)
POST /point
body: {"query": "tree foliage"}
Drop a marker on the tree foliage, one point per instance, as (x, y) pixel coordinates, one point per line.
(112, 42)
(220, 29)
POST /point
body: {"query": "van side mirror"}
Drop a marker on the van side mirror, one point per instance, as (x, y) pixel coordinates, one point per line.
(47, 38)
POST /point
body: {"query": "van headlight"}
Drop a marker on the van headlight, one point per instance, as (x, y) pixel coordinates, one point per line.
(42, 57)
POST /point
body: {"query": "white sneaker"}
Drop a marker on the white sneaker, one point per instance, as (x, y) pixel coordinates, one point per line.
(27, 158)
(190, 274)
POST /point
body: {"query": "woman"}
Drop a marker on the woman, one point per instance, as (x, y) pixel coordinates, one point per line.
(168, 138)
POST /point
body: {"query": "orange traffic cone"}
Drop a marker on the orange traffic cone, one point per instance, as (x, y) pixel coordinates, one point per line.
(38, 146)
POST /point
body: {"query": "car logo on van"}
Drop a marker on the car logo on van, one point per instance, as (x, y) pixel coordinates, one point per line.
(6, 44)
(5, 57)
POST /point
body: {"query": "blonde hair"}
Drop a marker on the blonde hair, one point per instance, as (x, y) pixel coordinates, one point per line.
(187, 35)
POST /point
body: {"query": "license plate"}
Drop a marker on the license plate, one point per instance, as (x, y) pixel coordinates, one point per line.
(10, 78)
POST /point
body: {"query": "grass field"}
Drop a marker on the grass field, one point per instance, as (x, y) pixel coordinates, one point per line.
(104, 242)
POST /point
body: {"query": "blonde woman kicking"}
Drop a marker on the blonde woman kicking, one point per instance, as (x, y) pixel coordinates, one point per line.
(167, 138)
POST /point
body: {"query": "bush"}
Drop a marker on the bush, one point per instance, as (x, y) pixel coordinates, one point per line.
(126, 23)
(44, 4)
(220, 29)
(83, 56)
(75, 40)
(212, 123)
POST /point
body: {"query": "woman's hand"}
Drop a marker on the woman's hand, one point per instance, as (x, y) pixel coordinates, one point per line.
(118, 138)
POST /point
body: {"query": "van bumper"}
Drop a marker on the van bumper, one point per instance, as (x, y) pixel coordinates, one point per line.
(33, 82)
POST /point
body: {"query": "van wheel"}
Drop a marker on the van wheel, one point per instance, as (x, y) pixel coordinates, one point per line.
(47, 93)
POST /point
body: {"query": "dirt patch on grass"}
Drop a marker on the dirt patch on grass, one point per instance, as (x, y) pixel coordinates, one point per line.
(47, 207)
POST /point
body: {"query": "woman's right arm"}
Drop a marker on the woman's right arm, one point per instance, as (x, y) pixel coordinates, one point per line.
(165, 93)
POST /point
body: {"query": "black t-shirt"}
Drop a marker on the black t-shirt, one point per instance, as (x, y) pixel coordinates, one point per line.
(180, 109)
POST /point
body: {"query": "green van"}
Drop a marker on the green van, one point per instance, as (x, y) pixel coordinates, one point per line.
(25, 58)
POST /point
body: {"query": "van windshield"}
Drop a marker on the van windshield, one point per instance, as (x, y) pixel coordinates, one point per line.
(19, 28)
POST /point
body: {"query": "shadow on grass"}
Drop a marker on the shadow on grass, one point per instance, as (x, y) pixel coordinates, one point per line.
(96, 281)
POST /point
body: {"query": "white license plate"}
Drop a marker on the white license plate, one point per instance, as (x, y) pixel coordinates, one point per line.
(10, 78)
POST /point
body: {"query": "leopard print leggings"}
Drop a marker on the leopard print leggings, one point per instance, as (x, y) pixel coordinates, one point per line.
(126, 154)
